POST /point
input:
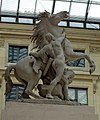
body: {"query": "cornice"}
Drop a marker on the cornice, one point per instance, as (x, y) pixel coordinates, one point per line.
(86, 77)
(94, 49)
(2, 42)
(15, 30)
(73, 34)
(90, 36)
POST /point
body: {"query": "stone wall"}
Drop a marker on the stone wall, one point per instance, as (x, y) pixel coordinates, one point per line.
(88, 40)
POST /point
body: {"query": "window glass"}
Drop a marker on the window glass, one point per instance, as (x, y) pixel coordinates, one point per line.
(0, 4)
(78, 9)
(16, 53)
(43, 5)
(25, 20)
(35, 6)
(95, 26)
(7, 19)
(85, 1)
(96, 1)
(9, 6)
(82, 96)
(30, 8)
(78, 94)
(16, 93)
(62, 23)
(77, 63)
(93, 11)
(76, 24)
(71, 93)
(27, 6)
(64, 6)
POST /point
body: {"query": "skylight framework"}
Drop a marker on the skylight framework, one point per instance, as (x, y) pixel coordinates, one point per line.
(83, 13)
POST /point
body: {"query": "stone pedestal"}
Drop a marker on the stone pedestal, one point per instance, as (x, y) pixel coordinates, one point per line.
(47, 111)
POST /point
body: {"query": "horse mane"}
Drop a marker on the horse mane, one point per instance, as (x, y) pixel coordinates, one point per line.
(38, 37)
(42, 28)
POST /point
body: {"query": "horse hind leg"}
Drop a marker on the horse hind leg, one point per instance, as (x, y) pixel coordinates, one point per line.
(24, 83)
(29, 89)
(31, 84)
(28, 86)
(19, 79)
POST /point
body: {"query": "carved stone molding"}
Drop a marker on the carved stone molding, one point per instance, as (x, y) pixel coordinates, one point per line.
(2, 43)
(94, 49)
(95, 84)
(0, 81)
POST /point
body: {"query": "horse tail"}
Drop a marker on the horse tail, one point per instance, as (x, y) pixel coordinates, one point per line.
(8, 80)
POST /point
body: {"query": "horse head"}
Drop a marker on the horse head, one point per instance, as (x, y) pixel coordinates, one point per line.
(43, 15)
(48, 24)
(56, 18)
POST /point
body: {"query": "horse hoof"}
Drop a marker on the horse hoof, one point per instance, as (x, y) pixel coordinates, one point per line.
(92, 69)
(49, 96)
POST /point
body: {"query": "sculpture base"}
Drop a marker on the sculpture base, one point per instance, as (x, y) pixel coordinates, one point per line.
(49, 101)
(47, 110)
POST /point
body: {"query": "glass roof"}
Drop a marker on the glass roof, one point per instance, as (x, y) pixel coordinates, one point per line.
(7, 6)
(61, 6)
(86, 11)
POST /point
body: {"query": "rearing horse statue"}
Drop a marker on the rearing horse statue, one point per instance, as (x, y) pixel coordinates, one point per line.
(30, 70)
(49, 24)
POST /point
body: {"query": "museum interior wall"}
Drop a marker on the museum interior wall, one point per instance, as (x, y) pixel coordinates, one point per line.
(81, 39)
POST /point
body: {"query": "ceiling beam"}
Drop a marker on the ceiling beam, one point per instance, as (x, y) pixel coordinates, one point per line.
(70, 7)
(0, 9)
(53, 7)
(87, 11)
(18, 11)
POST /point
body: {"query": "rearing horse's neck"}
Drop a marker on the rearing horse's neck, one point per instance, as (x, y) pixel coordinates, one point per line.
(48, 26)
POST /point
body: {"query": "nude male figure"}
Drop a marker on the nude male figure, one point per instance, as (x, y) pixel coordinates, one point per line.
(53, 49)
(61, 89)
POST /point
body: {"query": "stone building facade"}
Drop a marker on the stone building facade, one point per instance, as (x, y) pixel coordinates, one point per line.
(81, 39)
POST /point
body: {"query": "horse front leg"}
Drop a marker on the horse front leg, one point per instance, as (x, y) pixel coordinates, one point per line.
(76, 55)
